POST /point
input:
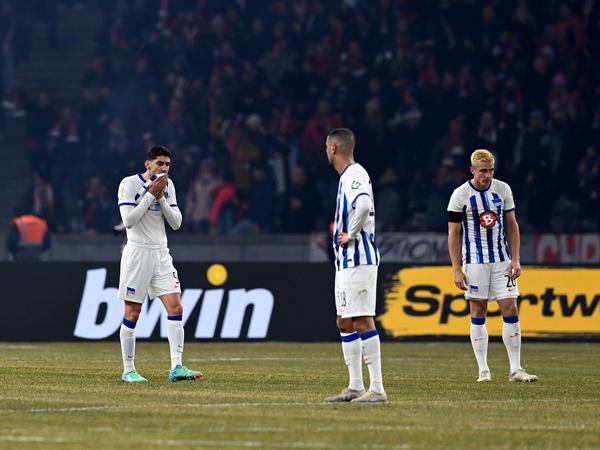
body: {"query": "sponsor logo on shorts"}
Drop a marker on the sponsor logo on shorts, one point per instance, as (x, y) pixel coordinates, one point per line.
(130, 291)
(474, 288)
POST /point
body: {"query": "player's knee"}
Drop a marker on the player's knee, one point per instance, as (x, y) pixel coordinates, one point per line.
(344, 325)
(176, 310)
(510, 310)
(478, 308)
(132, 315)
(364, 324)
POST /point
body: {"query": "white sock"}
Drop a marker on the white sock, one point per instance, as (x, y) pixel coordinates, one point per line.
(127, 335)
(352, 349)
(176, 333)
(479, 340)
(372, 354)
(511, 336)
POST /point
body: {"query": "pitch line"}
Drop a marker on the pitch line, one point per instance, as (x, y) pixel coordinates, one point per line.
(262, 444)
(55, 440)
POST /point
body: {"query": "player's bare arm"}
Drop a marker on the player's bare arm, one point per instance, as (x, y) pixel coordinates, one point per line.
(460, 279)
(514, 240)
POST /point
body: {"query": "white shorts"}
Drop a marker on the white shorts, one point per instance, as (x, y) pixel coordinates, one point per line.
(490, 282)
(355, 291)
(146, 271)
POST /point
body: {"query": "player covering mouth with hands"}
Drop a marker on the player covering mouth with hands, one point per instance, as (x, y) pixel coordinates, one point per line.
(146, 201)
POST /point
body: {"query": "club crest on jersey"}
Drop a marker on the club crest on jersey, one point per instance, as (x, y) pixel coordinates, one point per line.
(355, 185)
(487, 219)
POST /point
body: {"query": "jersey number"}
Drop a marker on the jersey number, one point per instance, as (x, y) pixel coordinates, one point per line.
(510, 281)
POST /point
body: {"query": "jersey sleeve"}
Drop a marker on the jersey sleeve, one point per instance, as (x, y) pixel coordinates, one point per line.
(455, 204)
(169, 207)
(509, 201)
(356, 185)
(126, 195)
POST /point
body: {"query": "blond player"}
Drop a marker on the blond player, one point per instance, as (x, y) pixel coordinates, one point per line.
(485, 210)
(145, 202)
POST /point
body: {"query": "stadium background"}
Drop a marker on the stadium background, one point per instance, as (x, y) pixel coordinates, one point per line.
(244, 92)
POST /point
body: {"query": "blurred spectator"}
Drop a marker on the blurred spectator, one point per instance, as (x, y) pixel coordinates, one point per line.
(422, 84)
(316, 130)
(199, 197)
(28, 236)
(39, 199)
(301, 204)
(390, 208)
(41, 117)
(97, 207)
(258, 215)
(64, 162)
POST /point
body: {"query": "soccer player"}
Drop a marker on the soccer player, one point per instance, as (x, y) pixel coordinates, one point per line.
(145, 202)
(484, 208)
(356, 261)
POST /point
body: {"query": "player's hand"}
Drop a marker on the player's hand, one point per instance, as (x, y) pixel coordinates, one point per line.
(460, 279)
(343, 239)
(157, 187)
(514, 269)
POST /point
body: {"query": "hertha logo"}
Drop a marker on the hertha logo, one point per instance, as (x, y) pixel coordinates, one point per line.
(487, 219)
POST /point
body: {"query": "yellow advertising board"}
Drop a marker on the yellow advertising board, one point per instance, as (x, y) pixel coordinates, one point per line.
(554, 301)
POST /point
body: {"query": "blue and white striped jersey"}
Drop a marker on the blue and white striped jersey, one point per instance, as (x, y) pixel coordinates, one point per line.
(354, 182)
(484, 238)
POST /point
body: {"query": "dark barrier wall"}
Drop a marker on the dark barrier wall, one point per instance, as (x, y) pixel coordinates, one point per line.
(287, 302)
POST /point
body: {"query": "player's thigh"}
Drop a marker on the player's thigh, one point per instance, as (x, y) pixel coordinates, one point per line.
(356, 290)
(502, 285)
(478, 281)
(136, 272)
(165, 279)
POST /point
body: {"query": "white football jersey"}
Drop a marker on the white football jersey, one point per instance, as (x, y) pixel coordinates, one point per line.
(354, 182)
(150, 230)
(484, 238)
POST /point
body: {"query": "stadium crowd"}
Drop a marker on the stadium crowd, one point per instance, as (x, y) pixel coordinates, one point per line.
(244, 93)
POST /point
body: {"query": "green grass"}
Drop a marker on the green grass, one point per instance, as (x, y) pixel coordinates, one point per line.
(269, 395)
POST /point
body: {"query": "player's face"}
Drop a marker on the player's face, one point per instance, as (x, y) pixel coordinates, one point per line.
(482, 175)
(161, 164)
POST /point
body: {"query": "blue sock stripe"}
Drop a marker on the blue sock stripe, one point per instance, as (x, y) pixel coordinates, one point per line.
(369, 334)
(351, 338)
(129, 323)
(513, 319)
(478, 320)
(179, 317)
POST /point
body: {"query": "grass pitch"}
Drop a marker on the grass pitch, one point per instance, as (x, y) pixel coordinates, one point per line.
(269, 395)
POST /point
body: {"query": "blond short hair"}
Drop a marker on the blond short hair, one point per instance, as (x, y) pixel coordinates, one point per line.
(481, 156)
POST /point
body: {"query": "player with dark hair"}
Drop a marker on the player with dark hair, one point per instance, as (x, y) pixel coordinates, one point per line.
(145, 202)
(356, 261)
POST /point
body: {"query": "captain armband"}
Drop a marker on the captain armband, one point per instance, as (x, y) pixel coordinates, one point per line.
(455, 216)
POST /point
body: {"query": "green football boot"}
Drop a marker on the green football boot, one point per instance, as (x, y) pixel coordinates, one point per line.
(182, 373)
(133, 377)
